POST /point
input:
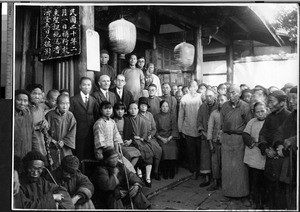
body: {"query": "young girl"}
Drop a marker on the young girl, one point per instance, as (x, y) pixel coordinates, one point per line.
(253, 157)
(166, 133)
(136, 130)
(62, 130)
(213, 137)
(129, 151)
(106, 134)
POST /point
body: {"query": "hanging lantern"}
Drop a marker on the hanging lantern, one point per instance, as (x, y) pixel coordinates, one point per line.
(122, 36)
(184, 54)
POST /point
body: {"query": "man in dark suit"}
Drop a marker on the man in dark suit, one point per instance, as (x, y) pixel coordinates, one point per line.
(122, 94)
(104, 94)
(85, 110)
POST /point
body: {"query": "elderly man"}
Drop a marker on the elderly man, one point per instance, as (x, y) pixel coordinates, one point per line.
(234, 116)
(122, 94)
(104, 94)
(202, 124)
(78, 185)
(187, 125)
(112, 190)
(38, 193)
(268, 146)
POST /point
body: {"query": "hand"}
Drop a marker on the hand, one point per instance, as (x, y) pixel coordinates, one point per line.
(252, 145)
(58, 197)
(16, 182)
(212, 146)
(61, 144)
(170, 138)
(287, 143)
(279, 150)
(115, 171)
(133, 191)
(44, 125)
(137, 137)
(75, 199)
(149, 137)
(270, 152)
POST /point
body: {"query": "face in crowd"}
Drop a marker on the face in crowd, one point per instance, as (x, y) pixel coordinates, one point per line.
(222, 89)
(274, 104)
(104, 82)
(174, 89)
(292, 98)
(166, 89)
(210, 97)
(233, 93)
(193, 87)
(21, 102)
(141, 63)
(133, 109)
(52, 100)
(36, 96)
(260, 111)
(34, 170)
(107, 111)
(112, 161)
(63, 103)
(86, 86)
(120, 81)
(221, 100)
(152, 90)
(104, 58)
(178, 95)
(150, 68)
(132, 60)
(143, 108)
(165, 107)
(185, 90)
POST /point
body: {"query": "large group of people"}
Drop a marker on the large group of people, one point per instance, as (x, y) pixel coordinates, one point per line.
(131, 129)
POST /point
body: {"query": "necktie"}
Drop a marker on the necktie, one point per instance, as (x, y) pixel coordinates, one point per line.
(107, 97)
(86, 100)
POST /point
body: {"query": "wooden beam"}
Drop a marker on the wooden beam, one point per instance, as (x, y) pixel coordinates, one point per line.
(222, 37)
(229, 62)
(240, 24)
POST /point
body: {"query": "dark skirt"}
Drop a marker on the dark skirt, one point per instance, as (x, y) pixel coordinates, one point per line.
(169, 150)
(145, 150)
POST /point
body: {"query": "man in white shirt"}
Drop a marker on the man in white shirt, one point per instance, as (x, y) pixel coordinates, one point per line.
(187, 125)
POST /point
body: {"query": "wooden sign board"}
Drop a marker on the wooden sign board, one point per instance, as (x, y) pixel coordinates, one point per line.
(60, 32)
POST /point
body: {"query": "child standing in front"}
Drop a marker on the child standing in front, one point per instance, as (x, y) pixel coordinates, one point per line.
(62, 130)
(253, 157)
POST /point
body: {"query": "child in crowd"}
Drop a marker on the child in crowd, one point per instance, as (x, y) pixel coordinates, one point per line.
(51, 99)
(253, 157)
(62, 130)
(213, 137)
(106, 134)
(246, 95)
(129, 151)
(166, 134)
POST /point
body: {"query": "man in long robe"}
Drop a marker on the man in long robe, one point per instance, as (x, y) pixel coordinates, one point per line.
(234, 116)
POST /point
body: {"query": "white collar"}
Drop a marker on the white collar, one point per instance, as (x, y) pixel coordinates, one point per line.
(83, 95)
(104, 91)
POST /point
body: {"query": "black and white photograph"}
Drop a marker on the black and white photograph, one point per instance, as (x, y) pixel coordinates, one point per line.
(149, 105)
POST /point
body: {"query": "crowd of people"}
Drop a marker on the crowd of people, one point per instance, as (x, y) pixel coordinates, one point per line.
(131, 129)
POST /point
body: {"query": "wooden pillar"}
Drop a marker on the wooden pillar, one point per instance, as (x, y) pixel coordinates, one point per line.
(26, 36)
(198, 75)
(87, 22)
(229, 62)
(9, 61)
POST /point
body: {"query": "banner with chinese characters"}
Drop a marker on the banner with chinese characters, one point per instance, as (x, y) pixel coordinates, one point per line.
(60, 32)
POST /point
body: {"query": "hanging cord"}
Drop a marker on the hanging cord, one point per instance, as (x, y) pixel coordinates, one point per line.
(56, 203)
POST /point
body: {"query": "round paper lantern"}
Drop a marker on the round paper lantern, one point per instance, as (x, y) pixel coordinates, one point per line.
(184, 54)
(122, 36)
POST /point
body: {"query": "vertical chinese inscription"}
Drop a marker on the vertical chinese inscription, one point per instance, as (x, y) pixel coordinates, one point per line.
(60, 32)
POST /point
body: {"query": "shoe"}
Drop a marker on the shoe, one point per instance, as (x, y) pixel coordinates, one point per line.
(213, 187)
(148, 183)
(204, 184)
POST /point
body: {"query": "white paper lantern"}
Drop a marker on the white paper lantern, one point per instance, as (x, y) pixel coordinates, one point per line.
(184, 54)
(122, 36)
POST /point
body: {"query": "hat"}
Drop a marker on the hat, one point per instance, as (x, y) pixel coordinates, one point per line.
(31, 87)
(108, 152)
(70, 163)
(103, 51)
(279, 94)
(293, 89)
(33, 155)
(22, 91)
(143, 100)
